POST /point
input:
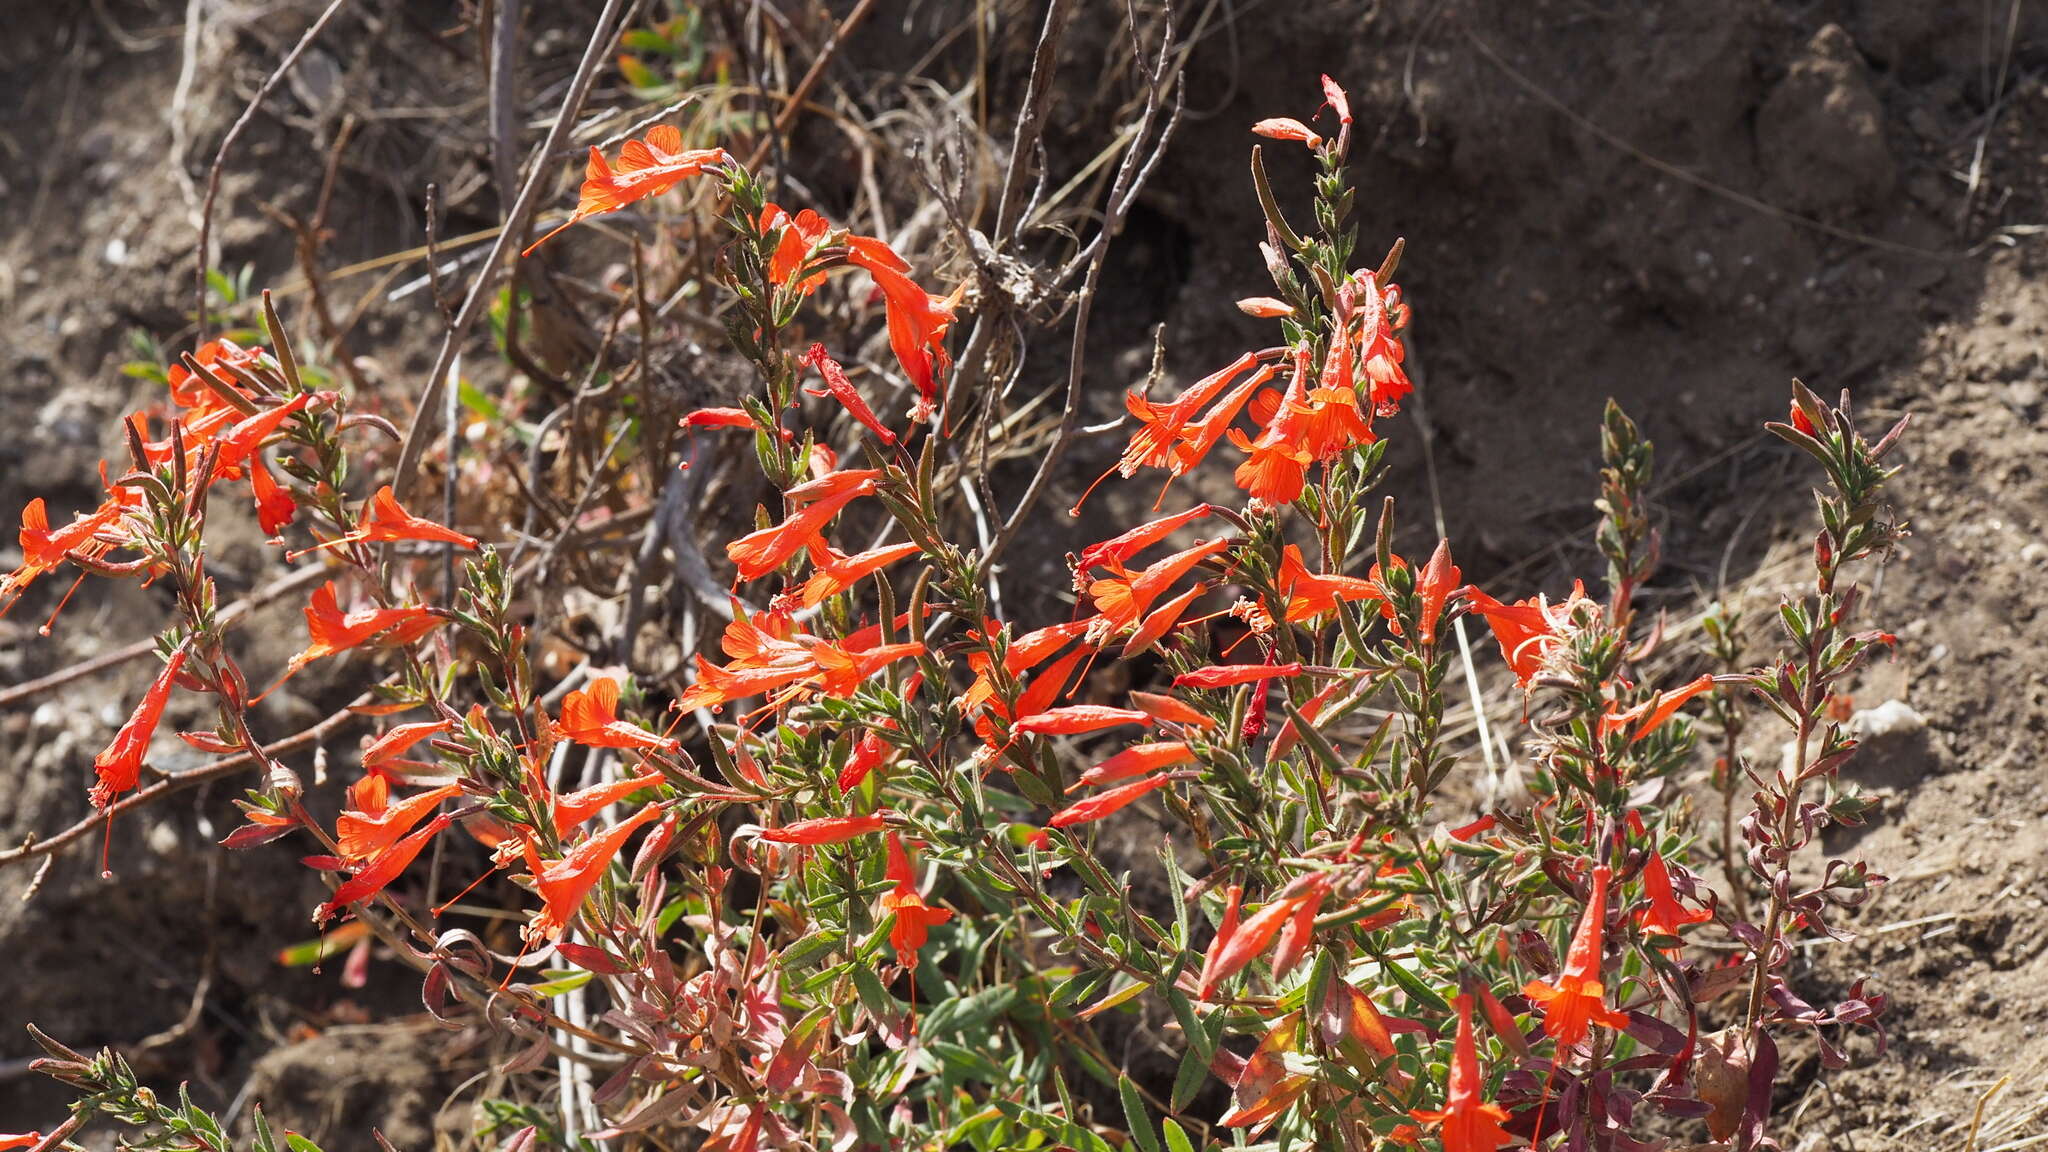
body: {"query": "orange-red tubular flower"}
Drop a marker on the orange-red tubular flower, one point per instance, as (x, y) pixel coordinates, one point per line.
(385, 519)
(867, 755)
(800, 234)
(1122, 598)
(1229, 953)
(44, 548)
(825, 830)
(1226, 675)
(1469, 1123)
(1171, 710)
(1438, 580)
(717, 418)
(1575, 1001)
(833, 484)
(381, 870)
(331, 630)
(1801, 421)
(838, 572)
(1158, 622)
(1022, 654)
(728, 418)
(1651, 714)
(841, 389)
(1277, 466)
(1311, 594)
(842, 667)
(239, 443)
(397, 742)
(564, 883)
(576, 807)
(759, 553)
(1103, 803)
(1379, 351)
(1160, 425)
(916, 319)
(1298, 933)
(1118, 549)
(1665, 915)
(373, 823)
(119, 766)
(647, 167)
(274, 504)
(1334, 424)
(1528, 631)
(914, 918)
(591, 717)
(1077, 718)
(1046, 687)
(716, 686)
(1137, 760)
(1197, 439)
(1336, 101)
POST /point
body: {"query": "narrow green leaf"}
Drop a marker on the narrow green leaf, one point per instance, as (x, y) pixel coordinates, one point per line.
(1140, 1121)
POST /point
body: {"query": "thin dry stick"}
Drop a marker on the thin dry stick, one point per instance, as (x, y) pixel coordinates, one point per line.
(119, 656)
(1130, 177)
(427, 414)
(786, 118)
(220, 160)
(1970, 187)
(1009, 209)
(179, 781)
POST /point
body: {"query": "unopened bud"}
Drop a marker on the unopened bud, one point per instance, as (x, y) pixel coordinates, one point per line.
(62, 1053)
(1265, 307)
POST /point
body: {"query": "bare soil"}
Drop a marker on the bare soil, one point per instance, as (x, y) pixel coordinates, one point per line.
(1679, 205)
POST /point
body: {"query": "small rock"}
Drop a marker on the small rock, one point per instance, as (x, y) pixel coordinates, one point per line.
(1895, 747)
(1891, 718)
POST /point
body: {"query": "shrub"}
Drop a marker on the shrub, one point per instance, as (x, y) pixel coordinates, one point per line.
(869, 901)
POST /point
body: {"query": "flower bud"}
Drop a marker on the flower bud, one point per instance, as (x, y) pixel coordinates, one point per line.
(1287, 128)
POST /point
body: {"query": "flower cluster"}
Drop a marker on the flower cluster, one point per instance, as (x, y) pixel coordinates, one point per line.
(872, 896)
